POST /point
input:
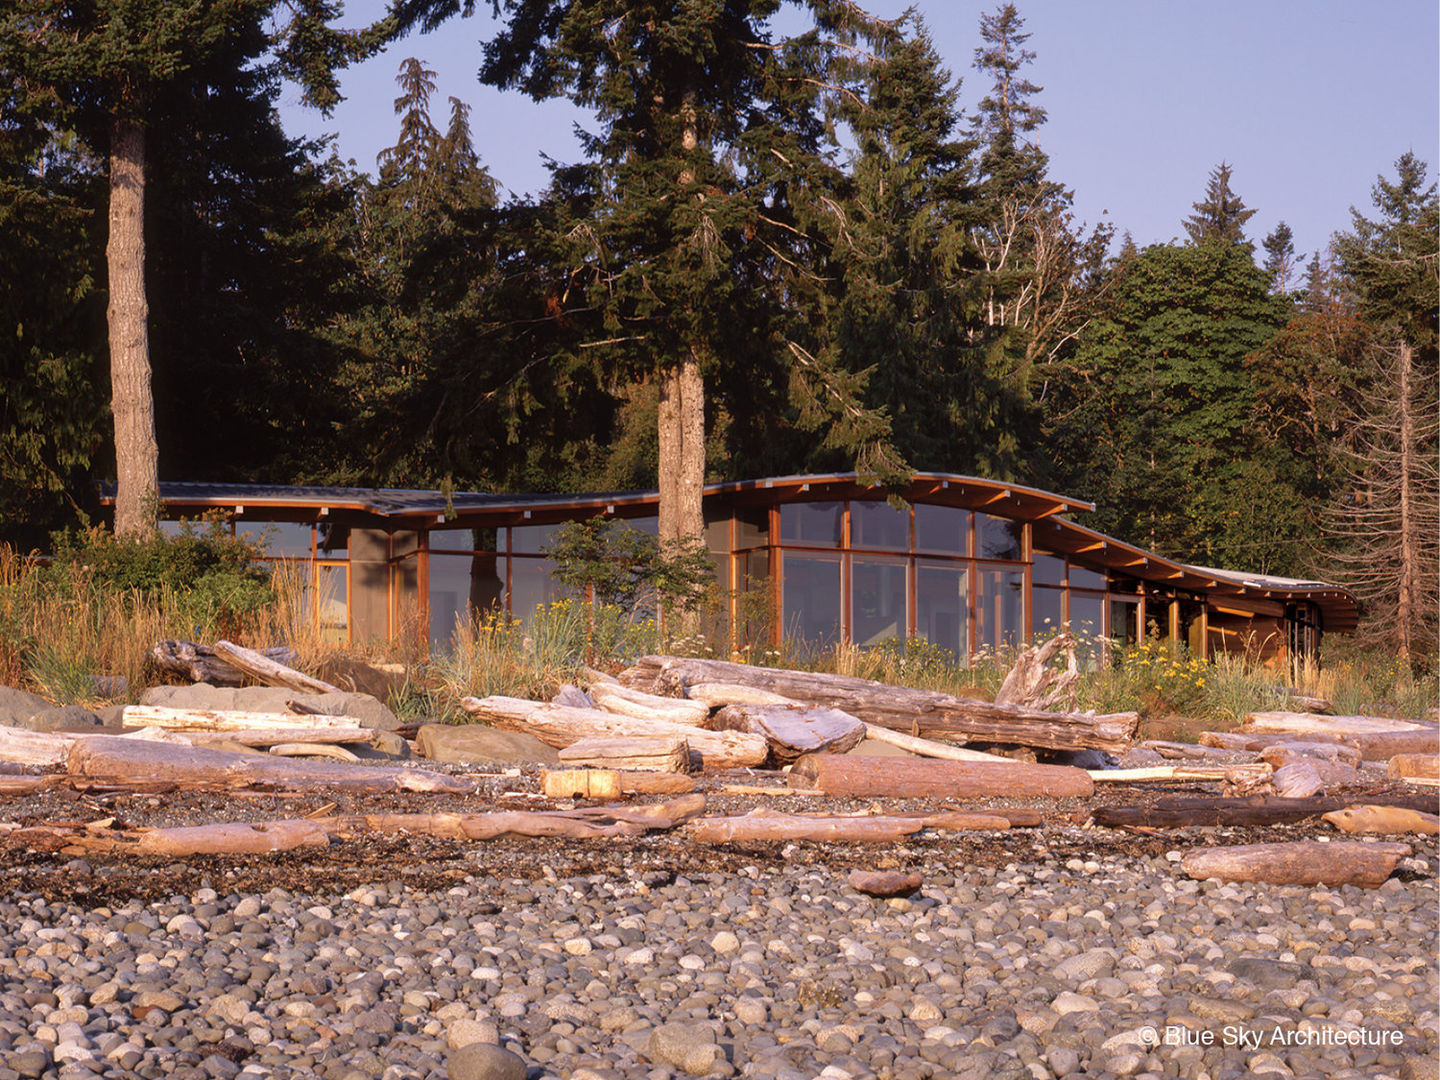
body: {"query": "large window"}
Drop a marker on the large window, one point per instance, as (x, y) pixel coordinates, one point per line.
(810, 601)
(815, 524)
(942, 606)
(999, 609)
(877, 600)
(879, 526)
(942, 530)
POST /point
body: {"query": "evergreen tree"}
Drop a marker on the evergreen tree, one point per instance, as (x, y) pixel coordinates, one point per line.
(1280, 257)
(101, 69)
(1221, 216)
(1385, 527)
(666, 235)
(52, 315)
(1150, 419)
(1036, 256)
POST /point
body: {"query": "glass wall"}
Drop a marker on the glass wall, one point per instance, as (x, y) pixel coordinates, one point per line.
(877, 600)
(942, 606)
(810, 598)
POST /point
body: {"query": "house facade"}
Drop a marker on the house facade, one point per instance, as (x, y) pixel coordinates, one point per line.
(968, 564)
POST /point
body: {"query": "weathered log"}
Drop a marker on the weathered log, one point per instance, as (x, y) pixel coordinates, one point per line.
(1335, 753)
(199, 663)
(1383, 820)
(1033, 682)
(580, 783)
(1184, 751)
(623, 701)
(792, 730)
(26, 785)
(264, 670)
(560, 726)
(159, 716)
(764, 825)
(233, 838)
(1378, 746)
(919, 778)
(1299, 780)
(927, 747)
(313, 750)
(1304, 862)
(918, 712)
(655, 783)
(1415, 767)
(1179, 813)
(590, 823)
(127, 759)
(1308, 723)
(263, 739)
(1193, 773)
(21, 747)
(658, 754)
(718, 695)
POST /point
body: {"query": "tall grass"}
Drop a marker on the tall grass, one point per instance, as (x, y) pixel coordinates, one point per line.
(59, 628)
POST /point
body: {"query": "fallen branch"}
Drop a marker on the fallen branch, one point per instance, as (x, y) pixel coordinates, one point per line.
(265, 670)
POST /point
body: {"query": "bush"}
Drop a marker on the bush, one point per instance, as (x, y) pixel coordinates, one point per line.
(216, 578)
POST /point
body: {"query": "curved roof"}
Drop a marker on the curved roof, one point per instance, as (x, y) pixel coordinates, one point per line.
(408, 508)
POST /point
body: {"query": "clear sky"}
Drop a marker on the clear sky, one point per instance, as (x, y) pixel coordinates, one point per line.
(1308, 100)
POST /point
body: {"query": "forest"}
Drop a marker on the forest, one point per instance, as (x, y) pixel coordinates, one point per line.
(778, 254)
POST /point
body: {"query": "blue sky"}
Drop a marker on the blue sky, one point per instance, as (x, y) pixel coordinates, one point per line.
(1308, 100)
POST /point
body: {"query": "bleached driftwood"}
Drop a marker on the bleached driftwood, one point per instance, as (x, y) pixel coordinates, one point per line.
(265, 670)
(658, 754)
(560, 726)
(201, 664)
(612, 697)
(793, 730)
(1033, 682)
(916, 712)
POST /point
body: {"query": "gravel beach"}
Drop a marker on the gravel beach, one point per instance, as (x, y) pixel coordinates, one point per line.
(1037, 961)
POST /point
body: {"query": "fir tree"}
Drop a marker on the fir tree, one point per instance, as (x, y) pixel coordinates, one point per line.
(1281, 259)
(1221, 216)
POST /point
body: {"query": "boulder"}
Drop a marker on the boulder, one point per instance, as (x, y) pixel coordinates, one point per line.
(475, 742)
(380, 681)
(18, 706)
(63, 718)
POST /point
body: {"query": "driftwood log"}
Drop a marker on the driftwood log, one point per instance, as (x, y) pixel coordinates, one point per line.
(560, 726)
(1312, 723)
(126, 759)
(1305, 862)
(612, 697)
(580, 783)
(1179, 813)
(1033, 682)
(1383, 820)
(1193, 773)
(262, 669)
(867, 777)
(769, 826)
(793, 730)
(139, 716)
(21, 747)
(927, 747)
(1178, 751)
(1377, 746)
(918, 712)
(1415, 767)
(1335, 753)
(614, 752)
(201, 664)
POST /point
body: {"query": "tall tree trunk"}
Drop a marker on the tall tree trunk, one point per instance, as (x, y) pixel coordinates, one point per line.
(131, 402)
(1409, 566)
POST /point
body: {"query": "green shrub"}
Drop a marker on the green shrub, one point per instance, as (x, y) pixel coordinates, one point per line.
(216, 578)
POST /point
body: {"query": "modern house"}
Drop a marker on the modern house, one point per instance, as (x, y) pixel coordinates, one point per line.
(971, 565)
